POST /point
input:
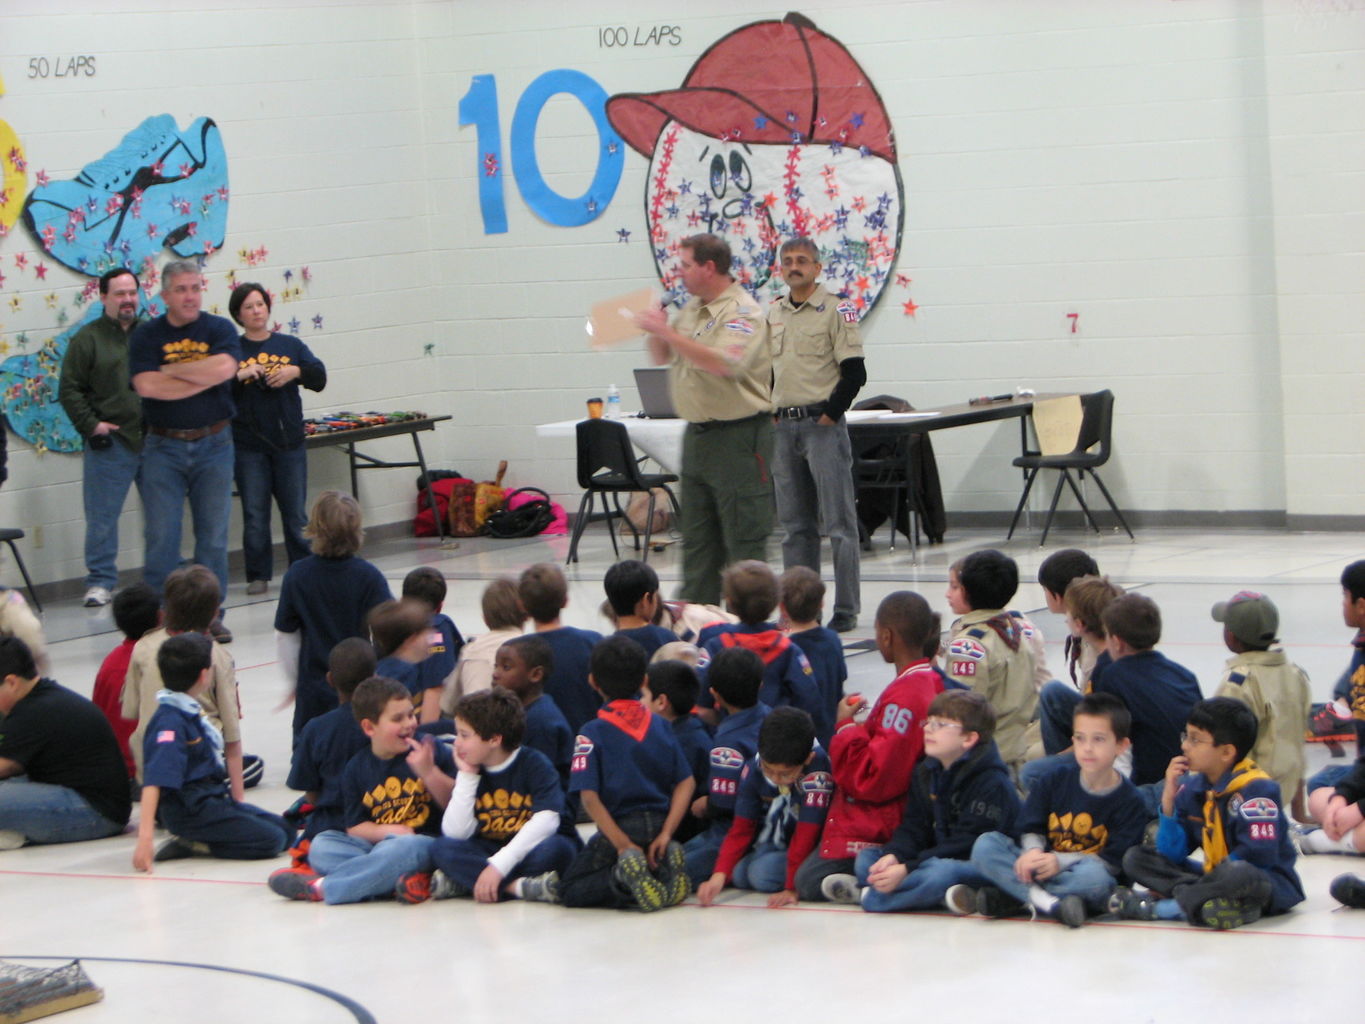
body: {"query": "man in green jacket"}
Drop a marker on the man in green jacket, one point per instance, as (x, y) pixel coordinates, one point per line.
(106, 411)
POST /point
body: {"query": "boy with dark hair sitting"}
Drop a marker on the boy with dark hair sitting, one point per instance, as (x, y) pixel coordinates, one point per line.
(1157, 692)
(872, 760)
(544, 594)
(751, 593)
(633, 593)
(137, 611)
(735, 678)
(401, 631)
(635, 785)
(1262, 677)
(803, 602)
(522, 665)
(989, 650)
(671, 689)
(960, 791)
(1076, 825)
(1055, 574)
(184, 775)
(426, 585)
(1215, 797)
(393, 792)
(784, 795)
(504, 835)
(329, 741)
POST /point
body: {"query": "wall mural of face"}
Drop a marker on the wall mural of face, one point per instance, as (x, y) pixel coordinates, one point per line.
(775, 133)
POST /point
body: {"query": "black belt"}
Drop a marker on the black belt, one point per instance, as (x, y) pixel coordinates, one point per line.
(189, 434)
(717, 424)
(800, 412)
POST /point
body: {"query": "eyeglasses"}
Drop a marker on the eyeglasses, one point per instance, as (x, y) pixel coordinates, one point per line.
(1193, 741)
(935, 724)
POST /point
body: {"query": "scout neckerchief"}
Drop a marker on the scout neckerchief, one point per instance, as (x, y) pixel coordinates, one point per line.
(1215, 843)
(630, 716)
(184, 702)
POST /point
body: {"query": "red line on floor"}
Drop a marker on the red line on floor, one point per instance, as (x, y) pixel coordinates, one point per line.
(129, 877)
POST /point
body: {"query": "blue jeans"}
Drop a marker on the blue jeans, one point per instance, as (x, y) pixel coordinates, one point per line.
(261, 475)
(50, 814)
(106, 477)
(1056, 707)
(1329, 776)
(994, 855)
(171, 472)
(701, 852)
(762, 869)
(813, 483)
(357, 869)
(463, 860)
(922, 889)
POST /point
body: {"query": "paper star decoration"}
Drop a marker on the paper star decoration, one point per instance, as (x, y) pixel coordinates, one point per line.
(623, 236)
(909, 307)
(317, 322)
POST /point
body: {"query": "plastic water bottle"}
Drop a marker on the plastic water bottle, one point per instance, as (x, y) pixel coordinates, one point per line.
(613, 411)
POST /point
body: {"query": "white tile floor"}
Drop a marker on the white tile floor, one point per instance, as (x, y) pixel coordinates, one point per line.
(177, 942)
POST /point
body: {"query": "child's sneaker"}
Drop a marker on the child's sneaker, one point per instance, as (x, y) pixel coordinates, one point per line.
(960, 899)
(840, 889)
(1317, 841)
(1349, 891)
(993, 902)
(294, 884)
(1070, 910)
(420, 886)
(1132, 906)
(541, 888)
(632, 872)
(1327, 724)
(1223, 913)
(176, 848)
(673, 874)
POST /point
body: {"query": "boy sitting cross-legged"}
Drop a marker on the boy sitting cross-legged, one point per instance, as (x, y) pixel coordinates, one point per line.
(960, 791)
(635, 785)
(1216, 797)
(505, 836)
(1078, 822)
(392, 792)
(783, 799)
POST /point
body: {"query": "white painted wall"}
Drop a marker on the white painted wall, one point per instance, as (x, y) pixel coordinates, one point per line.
(1186, 176)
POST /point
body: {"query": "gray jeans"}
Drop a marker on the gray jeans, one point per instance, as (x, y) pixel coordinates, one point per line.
(813, 482)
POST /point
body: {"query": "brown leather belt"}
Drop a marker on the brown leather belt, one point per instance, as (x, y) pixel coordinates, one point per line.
(192, 434)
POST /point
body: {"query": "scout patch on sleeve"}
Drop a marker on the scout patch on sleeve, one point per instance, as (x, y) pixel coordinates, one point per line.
(816, 788)
(582, 747)
(726, 757)
(166, 736)
(966, 647)
(1260, 808)
(849, 312)
(739, 326)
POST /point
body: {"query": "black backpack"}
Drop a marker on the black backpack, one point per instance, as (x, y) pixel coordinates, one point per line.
(526, 520)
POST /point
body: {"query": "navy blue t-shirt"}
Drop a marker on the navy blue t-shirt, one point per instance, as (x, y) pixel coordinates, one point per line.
(406, 672)
(388, 793)
(736, 741)
(650, 637)
(325, 747)
(695, 740)
(825, 652)
(507, 797)
(567, 682)
(270, 419)
(547, 730)
(1075, 821)
(629, 758)
(443, 648)
(156, 342)
(177, 751)
(326, 600)
(1159, 694)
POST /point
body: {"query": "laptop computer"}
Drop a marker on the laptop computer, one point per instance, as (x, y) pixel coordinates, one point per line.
(656, 402)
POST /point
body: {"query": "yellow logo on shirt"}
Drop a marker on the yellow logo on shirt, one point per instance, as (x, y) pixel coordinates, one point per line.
(502, 814)
(1075, 833)
(398, 801)
(186, 350)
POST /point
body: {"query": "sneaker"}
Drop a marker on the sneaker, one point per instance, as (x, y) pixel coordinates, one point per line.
(1223, 913)
(293, 884)
(632, 872)
(542, 888)
(673, 874)
(412, 888)
(97, 597)
(1349, 891)
(257, 587)
(840, 889)
(993, 902)
(11, 840)
(176, 848)
(960, 899)
(1132, 906)
(1070, 911)
(1316, 841)
(1326, 724)
(159, 187)
(220, 633)
(843, 622)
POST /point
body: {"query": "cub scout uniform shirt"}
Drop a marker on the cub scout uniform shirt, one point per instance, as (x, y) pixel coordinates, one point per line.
(808, 344)
(733, 324)
(980, 657)
(1277, 691)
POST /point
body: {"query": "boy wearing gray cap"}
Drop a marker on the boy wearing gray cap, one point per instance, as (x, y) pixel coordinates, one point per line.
(1270, 684)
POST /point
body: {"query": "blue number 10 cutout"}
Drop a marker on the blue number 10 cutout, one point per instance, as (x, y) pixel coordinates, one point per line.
(479, 107)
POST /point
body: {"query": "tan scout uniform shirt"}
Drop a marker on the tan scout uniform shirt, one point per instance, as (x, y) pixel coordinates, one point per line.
(1277, 691)
(144, 680)
(809, 342)
(733, 324)
(980, 659)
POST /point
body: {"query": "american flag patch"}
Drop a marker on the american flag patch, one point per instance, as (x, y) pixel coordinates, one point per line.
(166, 736)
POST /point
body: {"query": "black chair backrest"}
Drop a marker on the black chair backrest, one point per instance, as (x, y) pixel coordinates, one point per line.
(1097, 424)
(605, 445)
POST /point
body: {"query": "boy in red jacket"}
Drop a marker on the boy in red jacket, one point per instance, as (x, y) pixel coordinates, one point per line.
(873, 760)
